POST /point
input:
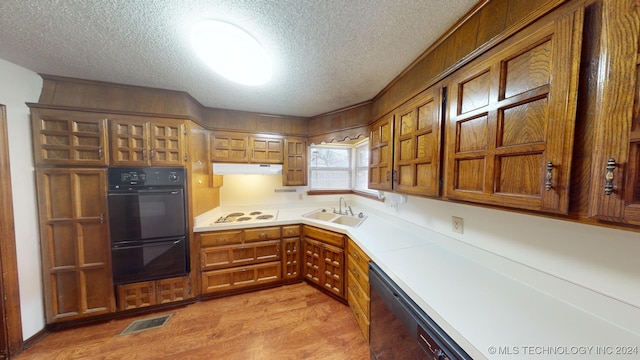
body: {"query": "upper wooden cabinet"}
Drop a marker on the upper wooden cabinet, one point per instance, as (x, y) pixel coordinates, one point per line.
(615, 172)
(63, 137)
(417, 142)
(381, 154)
(294, 169)
(511, 119)
(228, 146)
(140, 141)
(405, 147)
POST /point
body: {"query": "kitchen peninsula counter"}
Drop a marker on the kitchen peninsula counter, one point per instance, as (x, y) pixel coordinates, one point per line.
(493, 307)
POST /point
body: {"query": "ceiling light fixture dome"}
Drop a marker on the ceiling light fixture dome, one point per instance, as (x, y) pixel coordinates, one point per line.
(231, 52)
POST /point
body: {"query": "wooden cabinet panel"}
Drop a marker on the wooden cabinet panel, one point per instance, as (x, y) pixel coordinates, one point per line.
(294, 169)
(323, 260)
(511, 120)
(235, 147)
(76, 260)
(358, 291)
(167, 144)
(141, 141)
(261, 234)
(239, 255)
(381, 153)
(242, 277)
(291, 259)
(129, 141)
(266, 149)
(417, 145)
(325, 236)
(66, 137)
(220, 238)
(148, 293)
(229, 147)
(615, 172)
(136, 295)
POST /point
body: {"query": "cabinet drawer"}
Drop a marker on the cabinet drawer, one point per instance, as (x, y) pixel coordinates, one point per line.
(325, 236)
(361, 318)
(241, 277)
(359, 257)
(220, 238)
(237, 255)
(358, 274)
(359, 294)
(291, 231)
(260, 234)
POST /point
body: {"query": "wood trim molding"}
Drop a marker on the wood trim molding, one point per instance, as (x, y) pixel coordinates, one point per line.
(9, 290)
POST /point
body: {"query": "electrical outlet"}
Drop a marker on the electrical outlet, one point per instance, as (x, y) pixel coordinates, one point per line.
(393, 205)
(457, 224)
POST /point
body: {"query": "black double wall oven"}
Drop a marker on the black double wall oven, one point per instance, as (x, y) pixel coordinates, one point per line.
(148, 223)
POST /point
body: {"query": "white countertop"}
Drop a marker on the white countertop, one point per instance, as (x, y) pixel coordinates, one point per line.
(471, 294)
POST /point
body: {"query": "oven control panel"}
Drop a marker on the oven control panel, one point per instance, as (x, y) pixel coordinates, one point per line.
(138, 177)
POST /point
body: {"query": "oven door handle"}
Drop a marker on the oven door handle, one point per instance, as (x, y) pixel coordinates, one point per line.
(148, 244)
(144, 192)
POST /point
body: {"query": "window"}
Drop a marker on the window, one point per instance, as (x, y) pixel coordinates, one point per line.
(340, 167)
(330, 167)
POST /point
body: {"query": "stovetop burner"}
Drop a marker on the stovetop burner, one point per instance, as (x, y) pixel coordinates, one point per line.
(247, 217)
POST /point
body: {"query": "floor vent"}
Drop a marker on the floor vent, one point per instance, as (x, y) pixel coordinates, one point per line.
(146, 324)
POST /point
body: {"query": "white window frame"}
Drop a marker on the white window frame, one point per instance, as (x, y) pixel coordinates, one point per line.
(353, 167)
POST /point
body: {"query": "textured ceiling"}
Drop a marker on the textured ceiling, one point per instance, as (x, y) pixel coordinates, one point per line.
(328, 54)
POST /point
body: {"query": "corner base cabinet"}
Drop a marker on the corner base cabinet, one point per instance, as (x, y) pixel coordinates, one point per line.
(324, 260)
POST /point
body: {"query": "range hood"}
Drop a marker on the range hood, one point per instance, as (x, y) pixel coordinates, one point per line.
(239, 169)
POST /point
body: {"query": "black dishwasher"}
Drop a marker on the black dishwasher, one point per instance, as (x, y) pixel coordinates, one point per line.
(400, 329)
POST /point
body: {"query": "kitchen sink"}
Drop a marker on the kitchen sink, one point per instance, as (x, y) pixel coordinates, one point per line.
(324, 215)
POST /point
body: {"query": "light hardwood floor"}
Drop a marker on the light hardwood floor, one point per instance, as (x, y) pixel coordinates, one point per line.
(290, 322)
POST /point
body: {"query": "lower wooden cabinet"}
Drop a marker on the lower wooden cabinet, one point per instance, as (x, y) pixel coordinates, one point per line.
(358, 286)
(238, 259)
(241, 277)
(324, 263)
(76, 261)
(147, 293)
(291, 253)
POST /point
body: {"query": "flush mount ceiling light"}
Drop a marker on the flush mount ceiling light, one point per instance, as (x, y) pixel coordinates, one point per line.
(231, 52)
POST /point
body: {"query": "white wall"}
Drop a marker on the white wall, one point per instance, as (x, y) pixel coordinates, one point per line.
(259, 190)
(18, 86)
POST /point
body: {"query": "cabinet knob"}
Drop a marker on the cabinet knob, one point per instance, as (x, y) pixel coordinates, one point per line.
(151, 152)
(608, 177)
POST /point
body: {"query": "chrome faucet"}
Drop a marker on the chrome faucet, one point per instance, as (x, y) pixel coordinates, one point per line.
(346, 207)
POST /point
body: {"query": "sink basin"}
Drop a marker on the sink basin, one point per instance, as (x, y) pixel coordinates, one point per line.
(320, 215)
(347, 220)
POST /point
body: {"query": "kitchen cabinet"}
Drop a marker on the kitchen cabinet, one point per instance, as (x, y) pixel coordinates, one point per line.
(141, 141)
(294, 169)
(511, 119)
(148, 293)
(291, 253)
(615, 173)
(227, 146)
(405, 147)
(381, 153)
(417, 142)
(65, 137)
(358, 290)
(324, 260)
(75, 248)
(239, 259)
